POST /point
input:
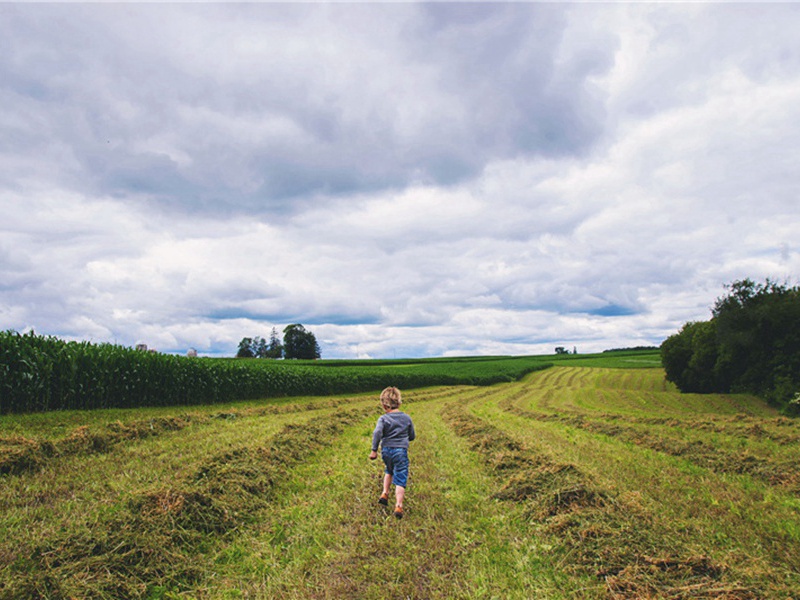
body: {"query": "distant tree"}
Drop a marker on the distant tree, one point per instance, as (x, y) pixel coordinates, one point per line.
(561, 350)
(252, 348)
(245, 348)
(275, 348)
(299, 343)
(260, 347)
(634, 348)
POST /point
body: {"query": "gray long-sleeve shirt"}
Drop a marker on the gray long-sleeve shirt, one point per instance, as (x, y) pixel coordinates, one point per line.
(394, 430)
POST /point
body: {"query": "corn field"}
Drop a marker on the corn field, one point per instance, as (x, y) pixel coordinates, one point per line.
(44, 373)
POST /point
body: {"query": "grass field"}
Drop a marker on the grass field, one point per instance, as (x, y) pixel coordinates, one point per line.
(585, 480)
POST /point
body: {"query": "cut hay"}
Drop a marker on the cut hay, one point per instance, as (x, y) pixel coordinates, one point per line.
(147, 543)
(611, 538)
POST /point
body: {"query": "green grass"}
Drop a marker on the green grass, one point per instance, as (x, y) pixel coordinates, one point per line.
(575, 482)
(631, 359)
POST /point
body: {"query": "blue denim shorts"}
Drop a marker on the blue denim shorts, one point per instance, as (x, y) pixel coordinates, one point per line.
(396, 461)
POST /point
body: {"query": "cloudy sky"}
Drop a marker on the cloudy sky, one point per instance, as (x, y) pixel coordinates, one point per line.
(404, 179)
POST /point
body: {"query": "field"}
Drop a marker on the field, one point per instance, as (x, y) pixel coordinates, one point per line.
(591, 479)
(44, 373)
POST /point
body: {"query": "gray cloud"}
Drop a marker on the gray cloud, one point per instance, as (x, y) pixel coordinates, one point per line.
(406, 179)
(248, 107)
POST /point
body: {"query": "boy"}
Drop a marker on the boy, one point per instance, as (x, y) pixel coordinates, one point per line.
(393, 432)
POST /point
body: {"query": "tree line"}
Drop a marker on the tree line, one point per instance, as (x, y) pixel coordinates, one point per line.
(297, 342)
(751, 344)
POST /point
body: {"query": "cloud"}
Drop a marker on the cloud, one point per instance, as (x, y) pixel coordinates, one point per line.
(247, 107)
(404, 179)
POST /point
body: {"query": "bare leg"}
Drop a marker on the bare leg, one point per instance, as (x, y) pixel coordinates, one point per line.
(387, 483)
(400, 493)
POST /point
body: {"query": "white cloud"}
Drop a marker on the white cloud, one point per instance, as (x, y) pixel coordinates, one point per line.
(403, 179)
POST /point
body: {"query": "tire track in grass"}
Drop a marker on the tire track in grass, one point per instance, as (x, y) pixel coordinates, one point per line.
(377, 556)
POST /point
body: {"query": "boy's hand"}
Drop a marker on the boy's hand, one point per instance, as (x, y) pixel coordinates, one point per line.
(373, 455)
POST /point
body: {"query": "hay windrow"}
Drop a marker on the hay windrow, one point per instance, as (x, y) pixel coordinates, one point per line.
(784, 474)
(609, 537)
(20, 455)
(148, 541)
(690, 578)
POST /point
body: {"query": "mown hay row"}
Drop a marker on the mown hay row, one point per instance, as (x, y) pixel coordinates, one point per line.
(783, 431)
(153, 541)
(636, 391)
(609, 536)
(782, 473)
(525, 475)
(20, 454)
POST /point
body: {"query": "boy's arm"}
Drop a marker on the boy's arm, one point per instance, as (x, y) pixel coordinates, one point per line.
(376, 438)
(411, 433)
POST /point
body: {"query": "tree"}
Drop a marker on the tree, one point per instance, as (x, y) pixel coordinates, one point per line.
(245, 348)
(252, 348)
(275, 348)
(299, 343)
(751, 344)
(690, 357)
(759, 335)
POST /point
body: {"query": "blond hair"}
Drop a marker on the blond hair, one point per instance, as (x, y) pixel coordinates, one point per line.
(390, 398)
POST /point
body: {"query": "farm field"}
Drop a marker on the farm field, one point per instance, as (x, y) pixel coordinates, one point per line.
(577, 481)
(44, 373)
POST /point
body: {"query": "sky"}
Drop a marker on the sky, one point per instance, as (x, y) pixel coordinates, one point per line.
(404, 179)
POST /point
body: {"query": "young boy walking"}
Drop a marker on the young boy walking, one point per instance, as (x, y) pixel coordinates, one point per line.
(393, 432)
